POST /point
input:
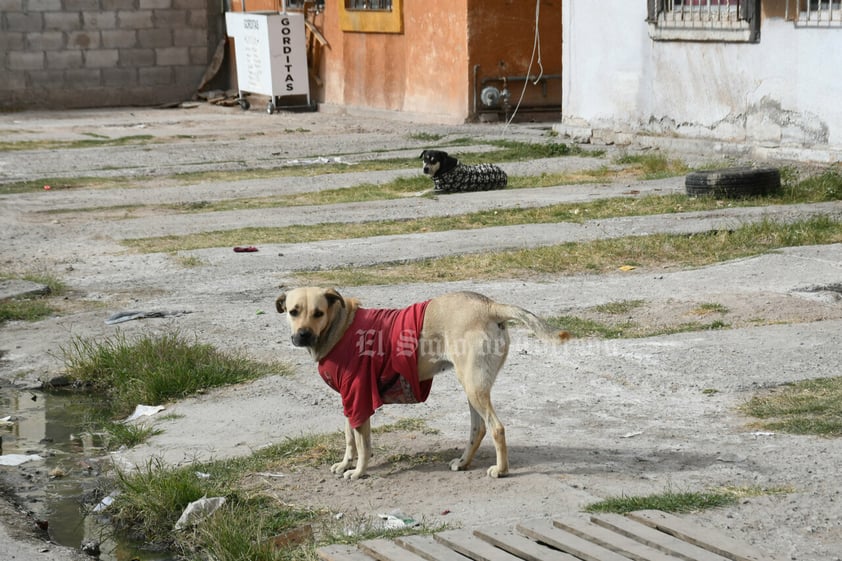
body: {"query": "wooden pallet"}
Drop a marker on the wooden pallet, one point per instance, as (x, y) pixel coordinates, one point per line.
(646, 535)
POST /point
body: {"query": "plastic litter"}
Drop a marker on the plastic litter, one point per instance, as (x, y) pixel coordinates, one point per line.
(120, 317)
(245, 249)
(198, 511)
(144, 411)
(105, 502)
(396, 520)
(18, 459)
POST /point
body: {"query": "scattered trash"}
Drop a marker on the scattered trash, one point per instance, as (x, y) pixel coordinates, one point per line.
(144, 411)
(320, 160)
(18, 459)
(762, 433)
(105, 502)
(90, 547)
(627, 268)
(120, 317)
(260, 313)
(7, 422)
(198, 511)
(445, 512)
(396, 520)
(268, 474)
(632, 434)
(245, 249)
(47, 187)
(202, 475)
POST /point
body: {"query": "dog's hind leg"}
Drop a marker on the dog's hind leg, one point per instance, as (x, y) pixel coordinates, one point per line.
(474, 439)
(476, 369)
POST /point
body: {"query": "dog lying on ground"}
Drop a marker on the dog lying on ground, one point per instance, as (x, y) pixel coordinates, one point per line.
(377, 356)
(449, 176)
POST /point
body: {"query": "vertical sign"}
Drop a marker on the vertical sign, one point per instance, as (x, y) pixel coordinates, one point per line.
(271, 52)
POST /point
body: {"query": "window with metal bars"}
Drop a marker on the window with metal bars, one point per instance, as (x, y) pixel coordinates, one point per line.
(814, 13)
(704, 20)
(368, 5)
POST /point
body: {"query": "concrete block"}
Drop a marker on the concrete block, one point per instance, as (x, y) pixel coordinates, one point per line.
(83, 40)
(189, 4)
(190, 37)
(12, 41)
(135, 20)
(82, 6)
(154, 38)
(172, 19)
(11, 82)
(65, 59)
(22, 60)
(82, 78)
(118, 4)
(172, 56)
(43, 6)
(199, 56)
(155, 76)
(101, 58)
(137, 57)
(199, 19)
(155, 4)
(25, 23)
(63, 21)
(45, 41)
(119, 77)
(99, 20)
(7, 6)
(118, 38)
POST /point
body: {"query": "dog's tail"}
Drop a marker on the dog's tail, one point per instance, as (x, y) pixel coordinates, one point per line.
(540, 327)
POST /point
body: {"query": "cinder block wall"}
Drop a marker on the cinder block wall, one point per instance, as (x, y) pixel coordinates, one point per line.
(94, 53)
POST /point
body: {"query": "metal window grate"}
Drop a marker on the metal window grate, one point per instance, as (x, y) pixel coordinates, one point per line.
(708, 12)
(814, 13)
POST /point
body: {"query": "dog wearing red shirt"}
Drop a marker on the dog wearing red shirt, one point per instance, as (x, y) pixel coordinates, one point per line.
(376, 356)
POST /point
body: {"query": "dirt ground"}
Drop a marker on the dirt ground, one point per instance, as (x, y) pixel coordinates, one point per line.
(592, 419)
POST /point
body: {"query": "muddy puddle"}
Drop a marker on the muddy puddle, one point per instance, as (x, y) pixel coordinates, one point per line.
(62, 480)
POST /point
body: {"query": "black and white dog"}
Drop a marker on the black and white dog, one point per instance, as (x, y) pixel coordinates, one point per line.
(449, 176)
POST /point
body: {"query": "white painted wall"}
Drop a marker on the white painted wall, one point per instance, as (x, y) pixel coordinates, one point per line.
(785, 91)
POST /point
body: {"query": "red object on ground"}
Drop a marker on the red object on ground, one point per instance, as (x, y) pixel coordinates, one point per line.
(246, 249)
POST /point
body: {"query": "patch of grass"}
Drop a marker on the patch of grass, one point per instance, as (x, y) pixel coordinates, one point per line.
(654, 166)
(59, 183)
(681, 502)
(152, 498)
(619, 307)
(93, 141)
(31, 307)
(599, 256)
(707, 308)
(805, 407)
(406, 425)
(425, 136)
(582, 327)
(153, 369)
(826, 186)
(128, 435)
(668, 501)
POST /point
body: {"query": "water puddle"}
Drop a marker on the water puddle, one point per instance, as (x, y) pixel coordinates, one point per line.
(61, 489)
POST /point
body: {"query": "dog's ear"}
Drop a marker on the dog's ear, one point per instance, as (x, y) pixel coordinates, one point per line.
(332, 297)
(424, 153)
(281, 303)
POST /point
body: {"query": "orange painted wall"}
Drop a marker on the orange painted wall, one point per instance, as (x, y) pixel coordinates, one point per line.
(429, 68)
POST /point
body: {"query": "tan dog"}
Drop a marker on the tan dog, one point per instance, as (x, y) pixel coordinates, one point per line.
(463, 330)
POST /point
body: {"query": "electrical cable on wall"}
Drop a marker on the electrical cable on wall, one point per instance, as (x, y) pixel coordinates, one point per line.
(536, 49)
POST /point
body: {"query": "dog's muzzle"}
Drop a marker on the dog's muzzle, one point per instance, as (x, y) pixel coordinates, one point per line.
(303, 338)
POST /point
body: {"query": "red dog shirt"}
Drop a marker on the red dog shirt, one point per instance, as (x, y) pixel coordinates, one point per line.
(376, 361)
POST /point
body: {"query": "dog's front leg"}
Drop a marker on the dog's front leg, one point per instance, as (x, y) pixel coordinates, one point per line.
(350, 451)
(357, 442)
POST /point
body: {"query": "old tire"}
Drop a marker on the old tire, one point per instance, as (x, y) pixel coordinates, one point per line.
(733, 182)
